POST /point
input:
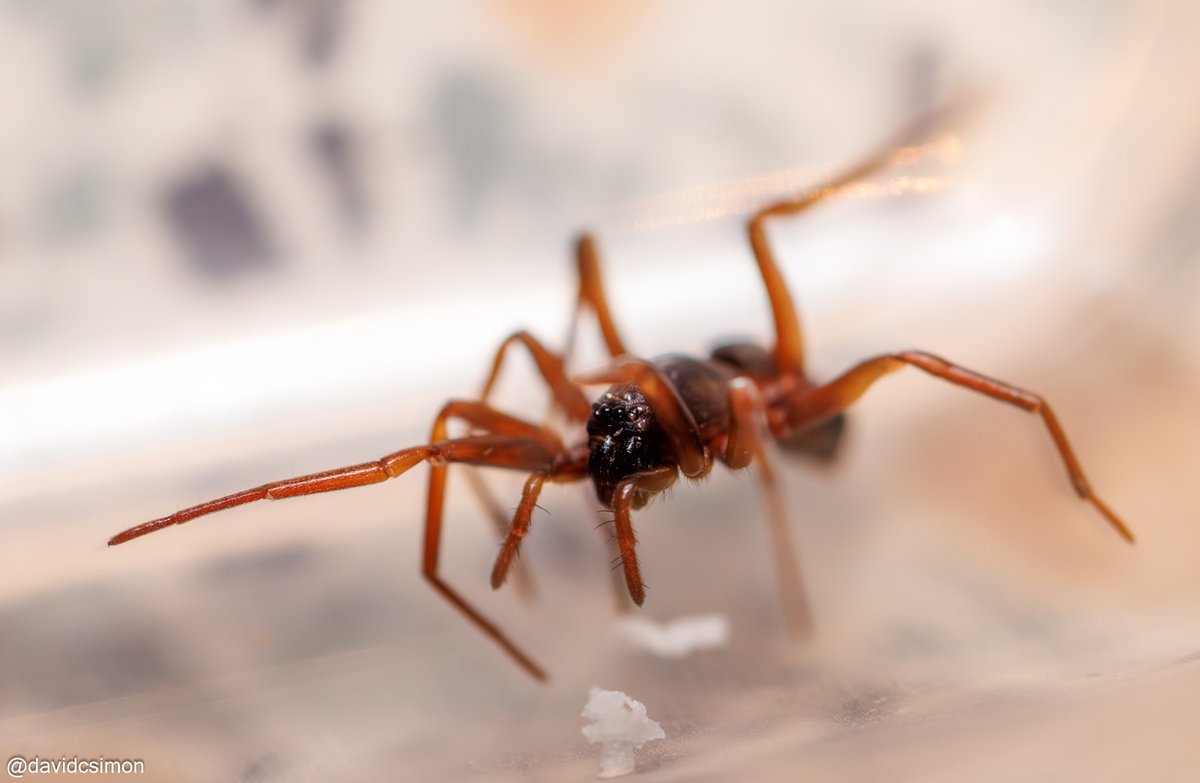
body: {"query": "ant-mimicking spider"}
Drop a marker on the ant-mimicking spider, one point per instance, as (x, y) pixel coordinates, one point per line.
(658, 418)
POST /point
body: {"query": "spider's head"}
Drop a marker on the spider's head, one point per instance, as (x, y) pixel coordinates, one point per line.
(623, 438)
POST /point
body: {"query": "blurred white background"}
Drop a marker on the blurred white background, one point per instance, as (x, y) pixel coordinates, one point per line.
(246, 240)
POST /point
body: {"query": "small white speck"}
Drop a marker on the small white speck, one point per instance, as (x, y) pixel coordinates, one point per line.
(621, 724)
(676, 638)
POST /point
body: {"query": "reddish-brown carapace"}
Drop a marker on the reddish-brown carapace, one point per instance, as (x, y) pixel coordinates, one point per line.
(657, 419)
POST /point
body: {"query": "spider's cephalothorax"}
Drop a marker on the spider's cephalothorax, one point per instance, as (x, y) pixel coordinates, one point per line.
(623, 439)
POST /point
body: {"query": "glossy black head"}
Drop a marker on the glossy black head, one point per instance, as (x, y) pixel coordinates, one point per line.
(623, 438)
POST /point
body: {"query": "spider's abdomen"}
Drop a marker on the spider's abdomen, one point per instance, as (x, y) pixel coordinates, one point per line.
(623, 439)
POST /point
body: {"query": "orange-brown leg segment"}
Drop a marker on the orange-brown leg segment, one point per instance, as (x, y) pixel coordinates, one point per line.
(592, 296)
(747, 420)
(789, 340)
(481, 416)
(567, 395)
(654, 480)
(841, 393)
(532, 460)
(620, 593)
(673, 415)
(518, 529)
(463, 450)
(621, 602)
(326, 481)
(522, 579)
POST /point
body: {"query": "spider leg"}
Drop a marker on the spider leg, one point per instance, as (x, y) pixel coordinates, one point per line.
(591, 296)
(823, 401)
(512, 444)
(551, 367)
(477, 450)
(654, 480)
(566, 394)
(621, 602)
(461, 450)
(552, 462)
(522, 578)
(326, 481)
(518, 529)
(481, 417)
(789, 341)
(744, 445)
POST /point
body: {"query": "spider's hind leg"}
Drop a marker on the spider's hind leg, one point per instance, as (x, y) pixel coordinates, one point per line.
(835, 396)
(744, 446)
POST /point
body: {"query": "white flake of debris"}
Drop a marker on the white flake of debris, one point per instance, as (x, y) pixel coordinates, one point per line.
(677, 638)
(621, 724)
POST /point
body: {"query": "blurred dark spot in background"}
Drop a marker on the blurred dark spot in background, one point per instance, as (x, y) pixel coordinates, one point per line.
(924, 79)
(216, 225)
(336, 155)
(319, 25)
(473, 119)
(69, 631)
(323, 30)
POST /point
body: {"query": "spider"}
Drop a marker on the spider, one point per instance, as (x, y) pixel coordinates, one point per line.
(657, 419)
